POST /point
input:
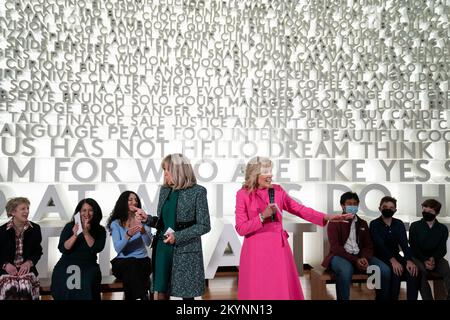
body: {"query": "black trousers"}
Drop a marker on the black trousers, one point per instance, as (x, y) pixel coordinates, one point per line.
(135, 275)
(441, 268)
(412, 283)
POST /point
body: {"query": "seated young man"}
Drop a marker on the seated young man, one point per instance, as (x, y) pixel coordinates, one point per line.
(351, 250)
(428, 240)
(388, 235)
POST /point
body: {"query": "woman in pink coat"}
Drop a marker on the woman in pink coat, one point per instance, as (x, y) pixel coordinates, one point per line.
(267, 269)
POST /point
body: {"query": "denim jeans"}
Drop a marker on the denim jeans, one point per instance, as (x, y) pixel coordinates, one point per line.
(344, 270)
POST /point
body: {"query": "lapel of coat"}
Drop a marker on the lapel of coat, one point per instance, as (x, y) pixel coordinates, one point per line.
(262, 198)
(163, 194)
(357, 229)
(185, 213)
(11, 236)
(346, 227)
(179, 215)
(28, 238)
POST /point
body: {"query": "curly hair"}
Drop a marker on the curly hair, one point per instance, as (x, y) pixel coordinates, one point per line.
(121, 209)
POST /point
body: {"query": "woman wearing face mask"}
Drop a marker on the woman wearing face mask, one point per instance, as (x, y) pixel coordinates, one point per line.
(267, 269)
(79, 245)
(428, 239)
(20, 251)
(388, 234)
(351, 250)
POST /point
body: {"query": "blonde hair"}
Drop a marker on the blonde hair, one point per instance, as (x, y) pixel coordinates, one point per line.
(181, 171)
(13, 203)
(253, 170)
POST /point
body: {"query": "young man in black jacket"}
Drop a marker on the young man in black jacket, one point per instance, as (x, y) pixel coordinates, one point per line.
(428, 240)
(388, 235)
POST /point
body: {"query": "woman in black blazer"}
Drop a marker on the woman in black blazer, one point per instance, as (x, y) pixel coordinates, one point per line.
(20, 251)
(80, 250)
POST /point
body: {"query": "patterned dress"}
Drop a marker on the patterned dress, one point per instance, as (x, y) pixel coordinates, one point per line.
(15, 287)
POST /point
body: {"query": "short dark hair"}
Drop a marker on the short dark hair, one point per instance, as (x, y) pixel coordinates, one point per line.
(388, 199)
(433, 204)
(349, 195)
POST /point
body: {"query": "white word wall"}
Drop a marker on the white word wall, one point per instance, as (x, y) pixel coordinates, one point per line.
(341, 95)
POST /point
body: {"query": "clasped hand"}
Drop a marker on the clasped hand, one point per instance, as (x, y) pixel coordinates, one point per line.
(141, 216)
(269, 211)
(24, 269)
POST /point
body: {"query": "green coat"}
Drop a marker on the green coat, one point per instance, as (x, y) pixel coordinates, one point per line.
(188, 274)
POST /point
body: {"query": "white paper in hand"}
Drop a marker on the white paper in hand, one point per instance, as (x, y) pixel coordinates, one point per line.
(77, 219)
(168, 231)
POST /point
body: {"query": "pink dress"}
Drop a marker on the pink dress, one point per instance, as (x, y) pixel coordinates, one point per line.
(267, 268)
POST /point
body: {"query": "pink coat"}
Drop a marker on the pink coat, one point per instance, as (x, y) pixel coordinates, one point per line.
(267, 269)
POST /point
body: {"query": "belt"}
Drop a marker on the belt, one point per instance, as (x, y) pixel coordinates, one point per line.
(183, 225)
(284, 237)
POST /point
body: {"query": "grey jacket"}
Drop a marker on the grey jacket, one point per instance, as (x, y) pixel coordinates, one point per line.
(192, 221)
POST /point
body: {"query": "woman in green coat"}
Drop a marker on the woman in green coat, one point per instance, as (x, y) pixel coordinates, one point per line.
(79, 255)
(177, 256)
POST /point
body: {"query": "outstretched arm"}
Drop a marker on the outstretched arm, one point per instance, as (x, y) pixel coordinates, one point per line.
(304, 212)
(310, 214)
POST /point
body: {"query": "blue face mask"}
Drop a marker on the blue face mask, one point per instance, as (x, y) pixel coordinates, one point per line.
(351, 209)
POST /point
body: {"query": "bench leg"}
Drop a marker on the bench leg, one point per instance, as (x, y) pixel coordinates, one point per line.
(439, 291)
(318, 287)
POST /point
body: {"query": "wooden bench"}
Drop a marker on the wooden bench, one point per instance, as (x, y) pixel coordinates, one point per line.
(320, 277)
(109, 284)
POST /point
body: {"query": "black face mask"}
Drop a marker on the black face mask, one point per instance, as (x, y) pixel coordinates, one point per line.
(428, 216)
(387, 213)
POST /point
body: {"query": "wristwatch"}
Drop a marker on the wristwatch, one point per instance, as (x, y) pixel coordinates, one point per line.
(261, 217)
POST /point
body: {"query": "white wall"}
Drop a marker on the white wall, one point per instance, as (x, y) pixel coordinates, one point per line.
(261, 67)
